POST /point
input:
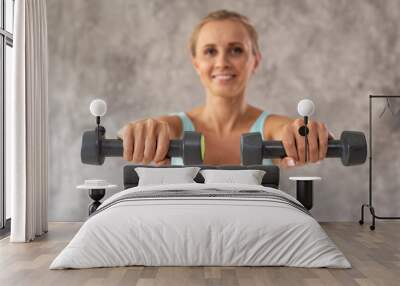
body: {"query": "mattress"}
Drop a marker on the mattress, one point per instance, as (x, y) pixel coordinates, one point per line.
(201, 225)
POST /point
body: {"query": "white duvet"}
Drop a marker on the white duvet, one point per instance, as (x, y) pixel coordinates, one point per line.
(177, 231)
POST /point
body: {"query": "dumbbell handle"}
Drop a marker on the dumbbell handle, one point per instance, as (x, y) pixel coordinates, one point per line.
(114, 148)
(275, 149)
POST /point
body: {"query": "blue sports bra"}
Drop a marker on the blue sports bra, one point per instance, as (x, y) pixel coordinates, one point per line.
(258, 126)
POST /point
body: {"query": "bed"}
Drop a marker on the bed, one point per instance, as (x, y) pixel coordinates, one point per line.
(201, 224)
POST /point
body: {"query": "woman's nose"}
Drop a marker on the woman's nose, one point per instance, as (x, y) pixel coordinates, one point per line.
(222, 60)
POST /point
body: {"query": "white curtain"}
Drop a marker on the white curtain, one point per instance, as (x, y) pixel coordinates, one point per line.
(26, 123)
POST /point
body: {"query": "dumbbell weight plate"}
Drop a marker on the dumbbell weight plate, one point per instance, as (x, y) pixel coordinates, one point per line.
(193, 148)
(354, 148)
(251, 149)
(190, 148)
(90, 151)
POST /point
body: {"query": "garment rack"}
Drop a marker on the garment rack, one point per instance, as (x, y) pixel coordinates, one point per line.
(369, 205)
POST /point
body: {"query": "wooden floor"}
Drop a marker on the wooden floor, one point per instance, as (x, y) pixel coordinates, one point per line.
(374, 255)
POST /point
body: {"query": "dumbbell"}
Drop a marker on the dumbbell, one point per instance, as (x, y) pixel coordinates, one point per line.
(95, 147)
(351, 148)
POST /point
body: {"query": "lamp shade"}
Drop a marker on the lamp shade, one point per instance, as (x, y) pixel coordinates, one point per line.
(98, 107)
(305, 107)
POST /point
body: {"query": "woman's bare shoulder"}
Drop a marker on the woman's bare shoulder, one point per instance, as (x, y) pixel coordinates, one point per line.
(253, 112)
(195, 116)
(195, 112)
(175, 123)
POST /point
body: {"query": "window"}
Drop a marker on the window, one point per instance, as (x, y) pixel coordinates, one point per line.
(6, 44)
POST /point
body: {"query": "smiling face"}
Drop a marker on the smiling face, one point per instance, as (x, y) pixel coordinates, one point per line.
(224, 58)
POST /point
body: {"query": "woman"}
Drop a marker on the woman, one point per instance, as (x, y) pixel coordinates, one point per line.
(225, 54)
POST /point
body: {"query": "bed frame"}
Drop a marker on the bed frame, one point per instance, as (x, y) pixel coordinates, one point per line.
(270, 179)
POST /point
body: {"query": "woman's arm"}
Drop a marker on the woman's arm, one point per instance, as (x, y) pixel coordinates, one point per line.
(285, 129)
(173, 121)
(147, 140)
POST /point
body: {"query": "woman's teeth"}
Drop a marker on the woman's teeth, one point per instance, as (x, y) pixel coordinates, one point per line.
(223, 77)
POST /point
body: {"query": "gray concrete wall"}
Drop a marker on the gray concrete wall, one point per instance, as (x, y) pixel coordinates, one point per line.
(133, 55)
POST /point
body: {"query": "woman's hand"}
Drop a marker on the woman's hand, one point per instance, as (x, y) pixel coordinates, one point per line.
(146, 141)
(294, 143)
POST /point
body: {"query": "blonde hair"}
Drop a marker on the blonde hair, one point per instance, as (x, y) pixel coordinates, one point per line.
(225, 15)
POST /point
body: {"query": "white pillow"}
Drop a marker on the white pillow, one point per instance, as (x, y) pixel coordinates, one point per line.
(248, 177)
(162, 176)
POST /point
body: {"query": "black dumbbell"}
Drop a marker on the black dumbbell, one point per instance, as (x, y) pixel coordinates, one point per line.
(351, 148)
(95, 147)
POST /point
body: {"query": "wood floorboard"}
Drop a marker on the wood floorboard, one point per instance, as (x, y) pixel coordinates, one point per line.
(374, 255)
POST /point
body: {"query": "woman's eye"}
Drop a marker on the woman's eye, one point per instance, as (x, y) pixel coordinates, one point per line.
(210, 51)
(237, 50)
